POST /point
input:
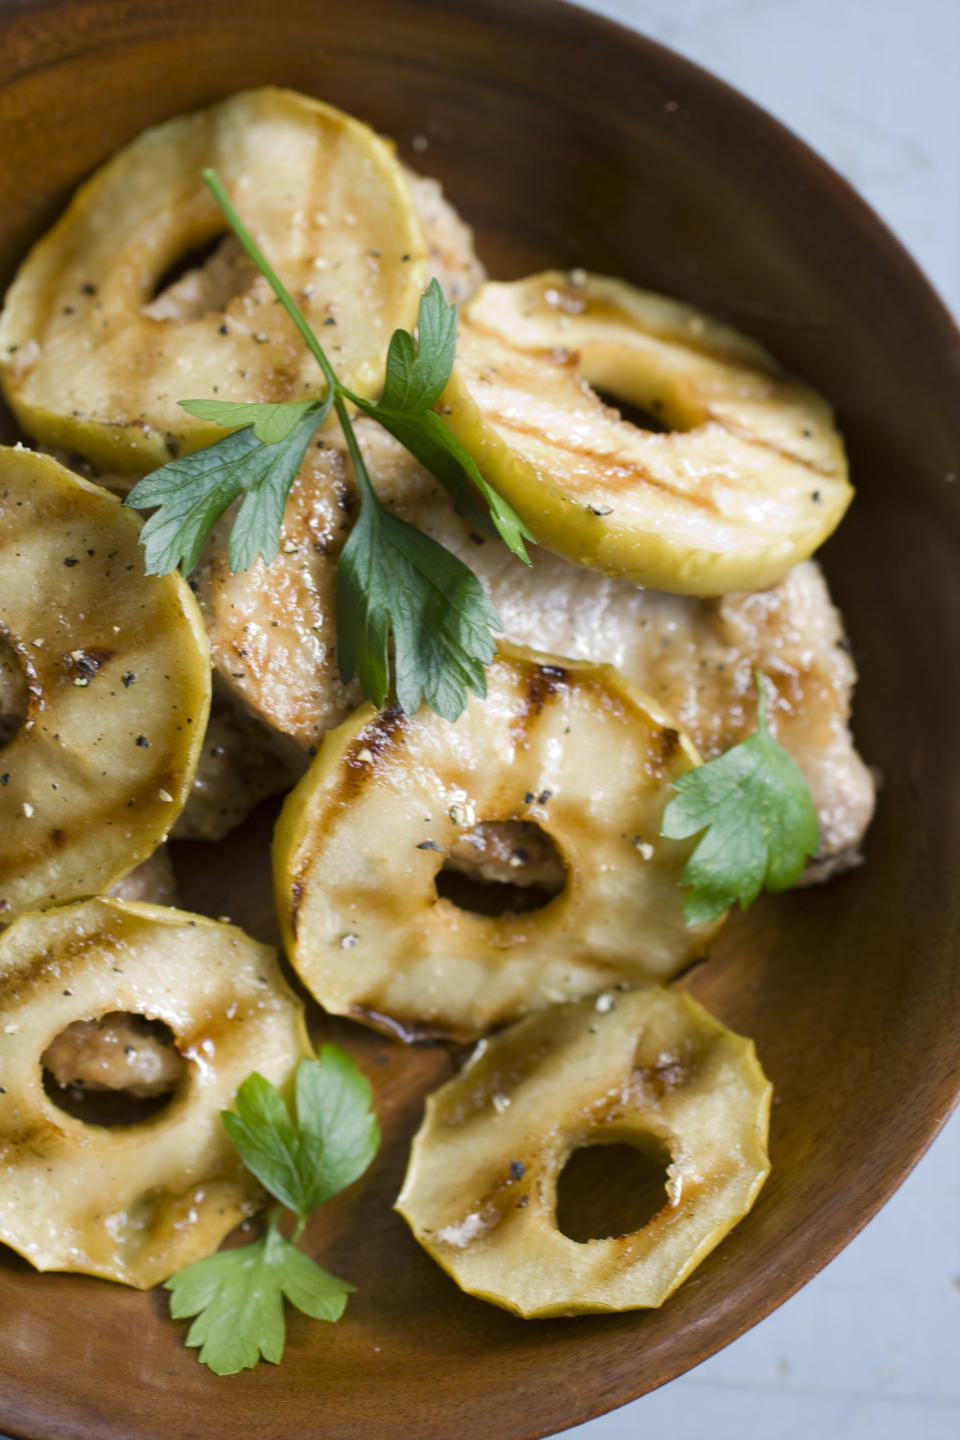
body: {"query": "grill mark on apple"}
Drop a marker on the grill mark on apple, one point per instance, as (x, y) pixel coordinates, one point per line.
(144, 799)
(367, 748)
(86, 663)
(541, 683)
(665, 744)
(25, 659)
(352, 772)
(296, 897)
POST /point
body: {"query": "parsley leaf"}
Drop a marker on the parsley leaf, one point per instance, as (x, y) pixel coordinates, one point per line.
(237, 1295)
(332, 1142)
(271, 423)
(440, 452)
(339, 1133)
(193, 491)
(417, 374)
(394, 580)
(418, 371)
(758, 822)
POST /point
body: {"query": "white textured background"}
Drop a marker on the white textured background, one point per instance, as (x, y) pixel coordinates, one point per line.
(871, 1347)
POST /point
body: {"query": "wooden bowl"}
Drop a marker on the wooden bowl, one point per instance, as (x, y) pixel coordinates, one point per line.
(567, 140)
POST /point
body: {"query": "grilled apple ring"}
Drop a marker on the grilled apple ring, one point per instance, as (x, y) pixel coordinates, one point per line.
(562, 760)
(90, 361)
(752, 479)
(654, 1069)
(115, 689)
(133, 1202)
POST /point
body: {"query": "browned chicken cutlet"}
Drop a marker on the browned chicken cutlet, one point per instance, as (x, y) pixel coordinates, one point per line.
(273, 634)
(115, 1052)
(273, 631)
(241, 763)
(152, 883)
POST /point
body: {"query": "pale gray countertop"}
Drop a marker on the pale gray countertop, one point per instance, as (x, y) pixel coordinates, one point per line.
(871, 1347)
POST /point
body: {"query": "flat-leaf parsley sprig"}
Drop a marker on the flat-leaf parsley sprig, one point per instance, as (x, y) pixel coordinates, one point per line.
(758, 821)
(393, 582)
(238, 1295)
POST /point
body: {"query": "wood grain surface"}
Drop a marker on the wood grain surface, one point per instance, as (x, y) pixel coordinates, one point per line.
(568, 141)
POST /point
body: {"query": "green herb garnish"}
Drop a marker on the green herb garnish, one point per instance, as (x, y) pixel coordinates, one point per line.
(237, 1295)
(393, 581)
(192, 493)
(758, 819)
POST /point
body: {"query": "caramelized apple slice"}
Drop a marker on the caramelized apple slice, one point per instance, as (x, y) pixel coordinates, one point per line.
(93, 359)
(133, 1201)
(407, 835)
(651, 1069)
(103, 736)
(751, 479)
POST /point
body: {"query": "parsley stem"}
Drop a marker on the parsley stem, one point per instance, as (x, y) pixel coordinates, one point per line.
(276, 1213)
(338, 391)
(353, 447)
(216, 187)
